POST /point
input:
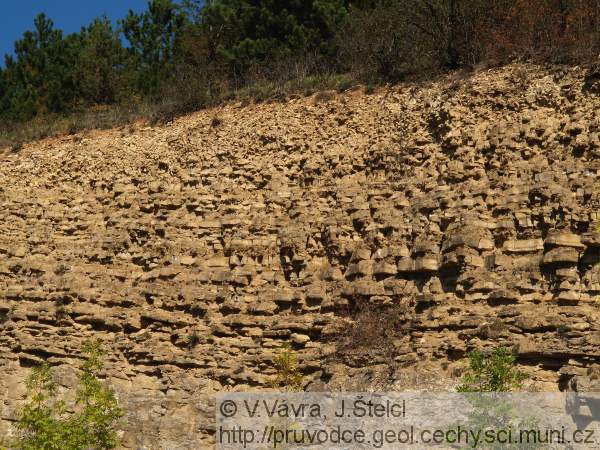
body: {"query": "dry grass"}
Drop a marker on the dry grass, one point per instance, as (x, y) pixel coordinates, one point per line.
(373, 330)
(14, 135)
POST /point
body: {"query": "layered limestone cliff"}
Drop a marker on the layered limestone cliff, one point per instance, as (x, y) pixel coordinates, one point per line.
(382, 235)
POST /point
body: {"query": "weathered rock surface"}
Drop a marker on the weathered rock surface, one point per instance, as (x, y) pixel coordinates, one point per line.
(195, 251)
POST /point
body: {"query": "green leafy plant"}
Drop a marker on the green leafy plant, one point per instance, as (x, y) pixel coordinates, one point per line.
(493, 373)
(489, 375)
(46, 422)
(289, 377)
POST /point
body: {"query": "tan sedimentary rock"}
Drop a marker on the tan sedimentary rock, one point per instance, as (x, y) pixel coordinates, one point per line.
(195, 251)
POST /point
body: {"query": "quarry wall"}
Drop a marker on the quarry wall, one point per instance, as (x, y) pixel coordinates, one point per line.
(383, 236)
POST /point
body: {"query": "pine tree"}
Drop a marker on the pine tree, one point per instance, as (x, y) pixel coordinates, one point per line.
(244, 30)
(98, 70)
(39, 78)
(154, 36)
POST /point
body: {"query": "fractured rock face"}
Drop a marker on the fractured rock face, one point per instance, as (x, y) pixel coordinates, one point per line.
(467, 214)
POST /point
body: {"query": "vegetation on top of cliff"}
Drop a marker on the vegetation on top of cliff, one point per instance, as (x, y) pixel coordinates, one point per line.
(48, 422)
(176, 57)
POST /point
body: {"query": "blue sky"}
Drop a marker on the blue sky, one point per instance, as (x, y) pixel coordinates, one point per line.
(69, 15)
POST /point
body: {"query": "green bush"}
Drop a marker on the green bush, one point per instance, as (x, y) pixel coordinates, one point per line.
(46, 422)
(289, 377)
(493, 373)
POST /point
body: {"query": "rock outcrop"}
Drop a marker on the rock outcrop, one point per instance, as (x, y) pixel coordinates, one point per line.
(464, 210)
